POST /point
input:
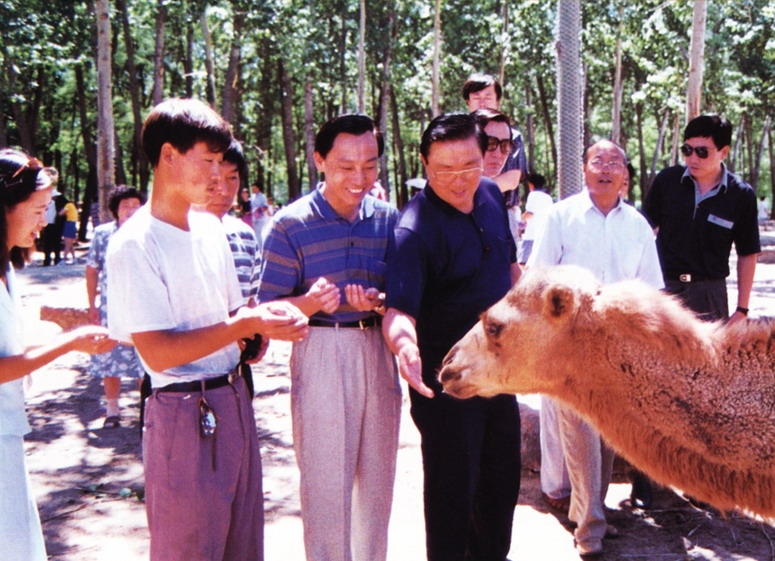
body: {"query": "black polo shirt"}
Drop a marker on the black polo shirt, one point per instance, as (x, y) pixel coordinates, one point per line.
(699, 240)
(446, 267)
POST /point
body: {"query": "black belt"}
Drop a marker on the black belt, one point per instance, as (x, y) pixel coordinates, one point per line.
(372, 321)
(210, 383)
(688, 277)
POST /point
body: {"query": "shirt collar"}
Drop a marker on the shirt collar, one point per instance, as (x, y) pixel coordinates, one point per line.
(720, 188)
(588, 204)
(479, 199)
(327, 211)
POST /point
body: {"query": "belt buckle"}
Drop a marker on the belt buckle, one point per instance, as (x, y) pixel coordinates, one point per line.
(361, 324)
(686, 277)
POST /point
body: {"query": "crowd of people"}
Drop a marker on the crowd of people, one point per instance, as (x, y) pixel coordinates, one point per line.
(205, 273)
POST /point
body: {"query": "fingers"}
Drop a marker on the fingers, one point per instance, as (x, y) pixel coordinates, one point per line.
(362, 299)
(410, 368)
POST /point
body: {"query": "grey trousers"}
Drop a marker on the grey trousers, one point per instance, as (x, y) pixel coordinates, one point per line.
(345, 403)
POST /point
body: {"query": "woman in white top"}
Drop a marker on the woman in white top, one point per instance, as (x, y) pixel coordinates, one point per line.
(25, 191)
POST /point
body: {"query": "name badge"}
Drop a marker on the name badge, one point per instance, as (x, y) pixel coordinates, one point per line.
(712, 218)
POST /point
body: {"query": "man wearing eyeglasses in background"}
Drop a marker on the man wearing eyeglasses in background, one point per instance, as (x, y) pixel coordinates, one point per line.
(698, 210)
(454, 257)
(596, 230)
(483, 91)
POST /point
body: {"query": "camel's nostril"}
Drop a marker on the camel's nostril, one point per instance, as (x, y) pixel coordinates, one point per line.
(449, 375)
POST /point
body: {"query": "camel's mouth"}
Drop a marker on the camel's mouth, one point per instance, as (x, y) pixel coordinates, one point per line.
(455, 384)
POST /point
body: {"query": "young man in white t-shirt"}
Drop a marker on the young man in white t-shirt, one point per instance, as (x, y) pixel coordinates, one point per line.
(174, 295)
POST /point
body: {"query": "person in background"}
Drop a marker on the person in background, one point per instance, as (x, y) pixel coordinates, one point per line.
(259, 206)
(25, 192)
(538, 202)
(764, 210)
(596, 230)
(70, 231)
(242, 207)
(483, 91)
(122, 361)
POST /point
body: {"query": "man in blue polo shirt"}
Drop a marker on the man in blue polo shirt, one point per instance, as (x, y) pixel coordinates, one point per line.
(698, 210)
(454, 257)
(326, 254)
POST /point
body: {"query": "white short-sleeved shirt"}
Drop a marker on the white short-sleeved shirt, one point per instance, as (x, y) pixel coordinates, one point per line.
(165, 278)
(615, 247)
(537, 203)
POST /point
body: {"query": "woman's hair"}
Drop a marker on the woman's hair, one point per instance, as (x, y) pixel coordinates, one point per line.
(118, 194)
(20, 177)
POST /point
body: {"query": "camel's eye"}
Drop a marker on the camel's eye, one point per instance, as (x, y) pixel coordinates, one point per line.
(493, 329)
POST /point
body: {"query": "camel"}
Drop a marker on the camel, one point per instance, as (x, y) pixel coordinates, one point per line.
(690, 403)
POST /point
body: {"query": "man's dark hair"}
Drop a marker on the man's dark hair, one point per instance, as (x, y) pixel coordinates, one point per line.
(120, 193)
(351, 123)
(452, 126)
(478, 82)
(183, 123)
(236, 156)
(710, 126)
(485, 116)
(537, 180)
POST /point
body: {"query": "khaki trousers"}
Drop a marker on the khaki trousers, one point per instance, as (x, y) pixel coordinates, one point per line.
(345, 402)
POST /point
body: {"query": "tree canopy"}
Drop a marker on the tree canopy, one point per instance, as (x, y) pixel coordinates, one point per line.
(277, 69)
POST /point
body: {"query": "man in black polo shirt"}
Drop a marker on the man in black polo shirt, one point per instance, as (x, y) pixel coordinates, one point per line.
(698, 210)
(453, 258)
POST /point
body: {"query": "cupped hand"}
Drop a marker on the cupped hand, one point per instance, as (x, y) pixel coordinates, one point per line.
(362, 299)
(92, 339)
(280, 320)
(325, 295)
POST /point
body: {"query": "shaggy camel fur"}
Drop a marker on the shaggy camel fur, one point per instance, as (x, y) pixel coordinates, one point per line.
(690, 403)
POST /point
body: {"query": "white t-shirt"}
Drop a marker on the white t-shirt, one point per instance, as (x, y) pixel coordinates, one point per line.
(538, 203)
(164, 278)
(615, 247)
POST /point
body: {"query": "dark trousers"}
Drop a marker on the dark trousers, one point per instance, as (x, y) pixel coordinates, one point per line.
(708, 299)
(471, 463)
(52, 243)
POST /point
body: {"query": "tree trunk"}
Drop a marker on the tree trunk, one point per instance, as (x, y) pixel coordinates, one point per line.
(22, 125)
(528, 129)
(676, 139)
(342, 61)
(90, 150)
(401, 190)
(188, 61)
(772, 172)
(231, 83)
(547, 121)
(267, 96)
(286, 92)
(644, 184)
(760, 154)
(504, 42)
(616, 112)
(209, 62)
(658, 149)
(569, 97)
(309, 129)
(696, 56)
(362, 58)
(436, 55)
(139, 158)
(106, 149)
(385, 90)
(158, 56)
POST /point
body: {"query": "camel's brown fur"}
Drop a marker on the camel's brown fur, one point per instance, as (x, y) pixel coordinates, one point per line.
(690, 403)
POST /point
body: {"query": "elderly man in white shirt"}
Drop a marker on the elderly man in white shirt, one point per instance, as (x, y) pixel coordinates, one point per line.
(594, 229)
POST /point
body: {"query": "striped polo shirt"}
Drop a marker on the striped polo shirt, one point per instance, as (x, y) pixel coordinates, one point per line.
(308, 240)
(244, 249)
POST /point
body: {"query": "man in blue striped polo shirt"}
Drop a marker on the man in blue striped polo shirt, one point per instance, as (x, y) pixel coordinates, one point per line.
(325, 253)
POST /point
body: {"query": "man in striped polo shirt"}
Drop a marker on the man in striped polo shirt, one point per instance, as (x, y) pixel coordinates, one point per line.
(325, 253)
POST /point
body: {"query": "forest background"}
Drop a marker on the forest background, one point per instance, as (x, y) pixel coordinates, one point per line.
(278, 69)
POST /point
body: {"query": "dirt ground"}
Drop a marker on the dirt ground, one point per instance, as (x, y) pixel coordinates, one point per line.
(89, 480)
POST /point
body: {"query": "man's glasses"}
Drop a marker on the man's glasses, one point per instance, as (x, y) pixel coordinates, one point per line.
(701, 151)
(506, 145)
(465, 174)
(600, 165)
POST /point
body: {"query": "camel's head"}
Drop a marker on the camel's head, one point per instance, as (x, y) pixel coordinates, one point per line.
(518, 340)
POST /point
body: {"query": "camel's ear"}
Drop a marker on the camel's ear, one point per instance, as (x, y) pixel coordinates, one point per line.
(559, 301)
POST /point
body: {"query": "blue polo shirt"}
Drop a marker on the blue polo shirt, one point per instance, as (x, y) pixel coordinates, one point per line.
(308, 240)
(447, 267)
(696, 233)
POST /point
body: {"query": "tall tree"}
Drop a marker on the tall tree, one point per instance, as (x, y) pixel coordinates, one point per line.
(106, 150)
(231, 80)
(436, 55)
(158, 56)
(286, 96)
(696, 60)
(362, 58)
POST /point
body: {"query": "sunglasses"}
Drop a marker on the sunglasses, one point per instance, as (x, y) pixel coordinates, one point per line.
(701, 151)
(505, 145)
